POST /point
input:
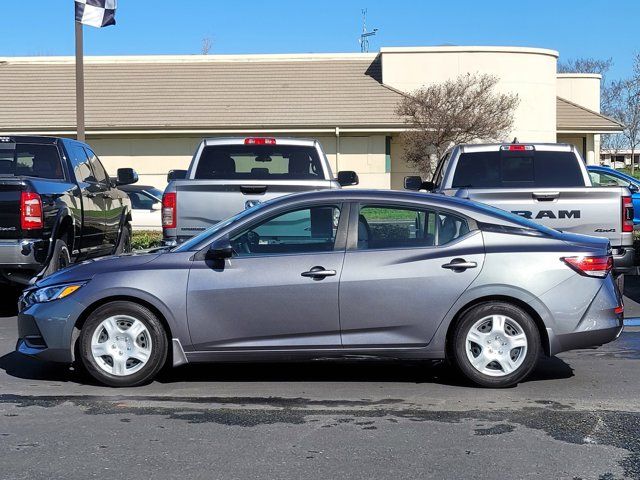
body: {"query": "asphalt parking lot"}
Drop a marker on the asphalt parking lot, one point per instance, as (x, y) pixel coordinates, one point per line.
(578, 416)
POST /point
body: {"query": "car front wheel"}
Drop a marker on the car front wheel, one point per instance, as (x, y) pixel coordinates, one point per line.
(122, 344)
(496, 344)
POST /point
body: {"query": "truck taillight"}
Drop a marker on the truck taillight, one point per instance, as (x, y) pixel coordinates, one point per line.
(259, 141)
(596, 266)
(169, 210)
(30, 211)
(627, 214)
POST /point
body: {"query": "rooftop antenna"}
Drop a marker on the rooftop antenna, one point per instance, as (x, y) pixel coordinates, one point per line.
(364, 36)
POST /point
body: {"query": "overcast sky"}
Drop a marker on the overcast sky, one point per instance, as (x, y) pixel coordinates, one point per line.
(576, 28)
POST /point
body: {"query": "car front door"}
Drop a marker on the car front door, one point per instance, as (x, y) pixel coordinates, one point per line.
(280, 288)
(111, 203)
(400, 277)
(93, 223)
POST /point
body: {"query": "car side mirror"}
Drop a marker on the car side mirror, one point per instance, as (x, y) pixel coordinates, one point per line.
(156, 206)
(633, 188)
(220, 249)
(126, 176)
(176, 175)
(347, 178)
(415, 183)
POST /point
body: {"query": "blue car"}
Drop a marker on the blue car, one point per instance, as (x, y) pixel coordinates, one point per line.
(608, 177)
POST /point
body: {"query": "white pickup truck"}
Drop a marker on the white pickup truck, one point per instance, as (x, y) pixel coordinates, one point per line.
(229, 175)
(548, 183)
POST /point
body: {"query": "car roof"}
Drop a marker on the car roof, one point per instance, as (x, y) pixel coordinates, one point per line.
(31, 139)
(308, 142)
(493, 147)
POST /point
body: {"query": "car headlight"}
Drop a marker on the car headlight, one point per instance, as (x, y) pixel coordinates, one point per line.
(48, 294)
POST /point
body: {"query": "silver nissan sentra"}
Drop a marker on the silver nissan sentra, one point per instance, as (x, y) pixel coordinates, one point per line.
(334, 274)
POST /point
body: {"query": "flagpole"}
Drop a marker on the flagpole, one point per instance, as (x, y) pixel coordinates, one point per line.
(79, 83)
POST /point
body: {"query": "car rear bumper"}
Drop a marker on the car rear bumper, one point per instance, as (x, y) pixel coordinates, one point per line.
(623, 260)
(598, 325)
(21, 253)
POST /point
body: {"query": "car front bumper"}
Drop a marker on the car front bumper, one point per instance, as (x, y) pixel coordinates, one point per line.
(47, 330)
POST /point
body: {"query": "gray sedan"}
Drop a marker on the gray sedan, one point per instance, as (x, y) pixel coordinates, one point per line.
(334, 274)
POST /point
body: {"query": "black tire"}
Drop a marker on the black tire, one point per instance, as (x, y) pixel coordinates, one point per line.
(124, 242)
(458, 347)
(159, 344)
(60, 259)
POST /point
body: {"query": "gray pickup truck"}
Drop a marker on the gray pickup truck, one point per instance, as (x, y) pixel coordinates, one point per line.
(229, 175)
(547, 183)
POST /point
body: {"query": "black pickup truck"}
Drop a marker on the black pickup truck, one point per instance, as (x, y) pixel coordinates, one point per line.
(57, 206)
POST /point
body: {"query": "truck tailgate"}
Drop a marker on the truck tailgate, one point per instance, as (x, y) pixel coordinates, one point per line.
(585, 210)
(10, 191)
(202, 203)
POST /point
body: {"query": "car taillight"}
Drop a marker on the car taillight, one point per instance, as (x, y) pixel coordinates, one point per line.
(259, 141)
(597, 266)
(30, 211)
(627, 214)
(169, 210)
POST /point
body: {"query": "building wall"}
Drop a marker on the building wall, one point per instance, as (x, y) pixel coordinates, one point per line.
(530, 73)
(154, 156)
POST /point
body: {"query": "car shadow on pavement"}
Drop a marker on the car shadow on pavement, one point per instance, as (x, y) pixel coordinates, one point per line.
(21, 366)
(9, 301)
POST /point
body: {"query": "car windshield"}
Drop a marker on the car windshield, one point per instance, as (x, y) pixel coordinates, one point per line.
(515, 219)
(203, 236)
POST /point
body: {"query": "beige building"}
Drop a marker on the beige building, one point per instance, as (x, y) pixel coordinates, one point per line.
(151, 112)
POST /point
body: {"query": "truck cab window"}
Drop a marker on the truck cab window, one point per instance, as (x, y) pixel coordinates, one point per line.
(98, 170)
(80, 163)
(32, 160)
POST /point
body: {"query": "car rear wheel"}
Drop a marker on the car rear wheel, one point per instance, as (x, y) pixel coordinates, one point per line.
(496, 344)
(60, 259)
(123, 344)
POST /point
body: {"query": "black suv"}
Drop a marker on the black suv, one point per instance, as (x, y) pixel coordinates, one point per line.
(58, 205)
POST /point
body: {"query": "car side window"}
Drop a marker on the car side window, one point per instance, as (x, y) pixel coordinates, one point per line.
(98, 170)
(607, 180)
(140, 201)
(80, 162)
(385, 227)
(307, 230)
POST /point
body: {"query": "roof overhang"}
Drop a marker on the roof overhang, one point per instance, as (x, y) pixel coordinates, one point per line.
(573, 118)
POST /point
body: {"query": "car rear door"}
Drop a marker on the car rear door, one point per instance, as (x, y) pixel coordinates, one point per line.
(404, 268)
(278, 291)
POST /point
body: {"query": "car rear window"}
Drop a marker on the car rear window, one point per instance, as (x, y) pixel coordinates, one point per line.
(259, 162)
(31, 160)
(504, 169)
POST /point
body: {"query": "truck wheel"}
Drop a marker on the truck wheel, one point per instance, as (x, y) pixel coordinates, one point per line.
(60, 259)
(496, 344)
(122, 344)
(124, 242)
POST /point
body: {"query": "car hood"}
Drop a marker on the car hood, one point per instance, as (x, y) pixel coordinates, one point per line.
(89, 268)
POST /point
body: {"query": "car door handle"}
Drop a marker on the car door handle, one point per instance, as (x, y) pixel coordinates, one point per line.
(545, 196)
(459, 264)
(318, 273)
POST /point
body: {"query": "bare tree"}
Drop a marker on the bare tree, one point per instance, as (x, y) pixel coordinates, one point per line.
(463, 110)
(207, 44)
(625, 107)
(586, 65)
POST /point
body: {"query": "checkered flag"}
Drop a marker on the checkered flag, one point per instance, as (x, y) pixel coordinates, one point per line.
(97, 13)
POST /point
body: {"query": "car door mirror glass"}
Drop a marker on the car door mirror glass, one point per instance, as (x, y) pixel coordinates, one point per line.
(633, 188)
(413, 182)
(220, 249)
(126, 176)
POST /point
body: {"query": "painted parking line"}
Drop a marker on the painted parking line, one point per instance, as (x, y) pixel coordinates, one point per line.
(632, 322)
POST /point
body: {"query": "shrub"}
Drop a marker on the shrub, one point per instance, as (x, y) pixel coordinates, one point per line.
(144, 239)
